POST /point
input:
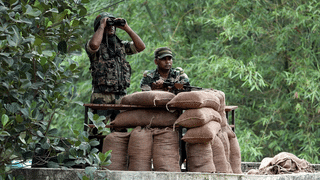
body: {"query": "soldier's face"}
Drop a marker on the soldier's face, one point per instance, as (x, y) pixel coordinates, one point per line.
(110, 30)
(164, 63)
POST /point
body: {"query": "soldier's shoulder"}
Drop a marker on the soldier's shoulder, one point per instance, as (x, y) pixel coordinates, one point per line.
(178, 70)
(149, 73)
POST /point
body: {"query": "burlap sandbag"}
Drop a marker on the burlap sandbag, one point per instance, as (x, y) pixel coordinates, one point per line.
(202, 134)
(253, 171)
(222, 99)
(226, 144)
(235, 156)
(148, 98)
(199, 158)
(221, 96)
(224, 120)
(140, 149)
(118, 143)
(229, 131)
(219, 157)
(284, 163)
(194, 100)
(165, 151)
(145, 117)
(192, 118)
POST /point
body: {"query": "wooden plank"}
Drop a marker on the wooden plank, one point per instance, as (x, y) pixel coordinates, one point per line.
(111, 126)
(119, 106)
(230, 108)
(128, 107)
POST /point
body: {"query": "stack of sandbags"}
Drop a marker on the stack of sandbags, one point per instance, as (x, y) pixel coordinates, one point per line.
(147, 144)
(146, 117)
(135, 151)
(228, 137)
(159, 145)
(207, 126)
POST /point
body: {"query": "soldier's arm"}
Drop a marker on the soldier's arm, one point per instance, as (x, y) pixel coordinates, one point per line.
(145, 83)
(95, 41)
(184, 78)
(137, 41)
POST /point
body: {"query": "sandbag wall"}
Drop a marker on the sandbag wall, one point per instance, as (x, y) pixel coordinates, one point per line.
(211, 144)
(153, 140)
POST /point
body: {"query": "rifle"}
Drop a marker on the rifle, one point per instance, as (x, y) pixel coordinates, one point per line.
(179, 87)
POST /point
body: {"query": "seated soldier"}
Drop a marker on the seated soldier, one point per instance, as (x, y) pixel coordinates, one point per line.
(154, 79)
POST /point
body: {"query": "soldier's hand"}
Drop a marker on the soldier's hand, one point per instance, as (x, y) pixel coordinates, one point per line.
(103, 22)
(122, 27)
(157, 85)
(160, 81)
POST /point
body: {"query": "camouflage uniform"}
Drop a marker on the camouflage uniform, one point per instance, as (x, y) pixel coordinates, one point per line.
(110, 73)
(176, 75)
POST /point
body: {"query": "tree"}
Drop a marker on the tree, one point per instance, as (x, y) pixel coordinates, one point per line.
(262, 54)
(36, 40)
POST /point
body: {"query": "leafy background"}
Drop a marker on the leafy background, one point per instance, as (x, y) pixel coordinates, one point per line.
(262, 54)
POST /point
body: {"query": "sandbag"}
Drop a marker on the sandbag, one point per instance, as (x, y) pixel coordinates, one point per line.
(229, 131)
(235, 156)
(192, 118)
(219, 157)
(140, 149)
(194, 100)
(148, 98)
(202, 134)
(199, 158)
(284, 163)
(253, 172)
(224, 120)
(145, 117)
(220, 95)
(165, 151)
(222, 98)
(118, 143)
(226, 144)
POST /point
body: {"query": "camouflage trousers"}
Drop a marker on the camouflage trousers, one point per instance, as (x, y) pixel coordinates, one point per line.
(106, 98)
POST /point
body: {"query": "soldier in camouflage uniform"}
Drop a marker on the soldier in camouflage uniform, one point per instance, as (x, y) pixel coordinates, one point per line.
(153, 79)
(109, 69)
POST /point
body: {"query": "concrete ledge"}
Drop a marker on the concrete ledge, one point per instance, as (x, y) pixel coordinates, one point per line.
(71, 174)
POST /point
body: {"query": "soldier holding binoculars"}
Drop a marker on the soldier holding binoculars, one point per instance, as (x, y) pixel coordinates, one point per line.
(109, 69)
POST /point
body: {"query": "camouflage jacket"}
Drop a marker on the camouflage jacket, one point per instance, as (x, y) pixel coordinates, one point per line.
(110, 73)
(176, 75)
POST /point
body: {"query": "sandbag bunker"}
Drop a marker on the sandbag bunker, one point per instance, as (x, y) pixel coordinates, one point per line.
(153, 144)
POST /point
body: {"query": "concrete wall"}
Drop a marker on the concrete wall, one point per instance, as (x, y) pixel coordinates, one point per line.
(72, 174)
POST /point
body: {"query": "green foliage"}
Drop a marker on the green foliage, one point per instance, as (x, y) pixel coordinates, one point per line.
(262, 54)
(36, 41)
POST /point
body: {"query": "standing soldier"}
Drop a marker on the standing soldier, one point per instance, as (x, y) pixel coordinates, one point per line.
(109, 69)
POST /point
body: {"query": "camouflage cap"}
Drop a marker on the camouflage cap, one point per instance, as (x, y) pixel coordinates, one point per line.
(162, 52)
(96, 23)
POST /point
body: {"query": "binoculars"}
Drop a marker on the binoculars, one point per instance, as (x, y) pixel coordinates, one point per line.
(116, 22)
